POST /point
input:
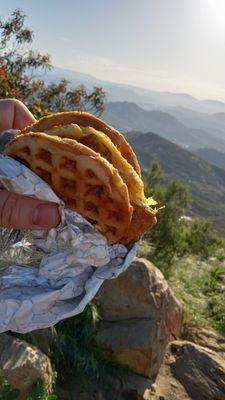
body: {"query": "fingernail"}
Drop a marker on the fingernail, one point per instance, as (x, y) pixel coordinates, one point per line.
(46, 216)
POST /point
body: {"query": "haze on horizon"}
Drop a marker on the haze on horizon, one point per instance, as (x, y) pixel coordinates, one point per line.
(166, 45)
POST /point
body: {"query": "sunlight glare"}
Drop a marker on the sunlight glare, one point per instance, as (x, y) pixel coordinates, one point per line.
(216, 13)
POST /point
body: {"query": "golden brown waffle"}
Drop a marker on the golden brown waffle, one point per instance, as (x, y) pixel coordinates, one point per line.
(143, 217)
(86, 119)
(87, 183)
(101, 144)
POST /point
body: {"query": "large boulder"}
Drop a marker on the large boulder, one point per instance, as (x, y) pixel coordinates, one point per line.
(140, 315)
(23, 365)
(190, 372)
(141, 292)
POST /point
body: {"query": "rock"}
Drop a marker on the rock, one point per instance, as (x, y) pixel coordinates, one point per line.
(23, 364)
(206, 337)
(190, 372)
(139, 386)
(201, 371)
(139, 315)
(141, 292)
(135, 343)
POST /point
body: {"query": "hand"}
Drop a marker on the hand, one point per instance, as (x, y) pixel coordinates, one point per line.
(17, 211)
(14, 115)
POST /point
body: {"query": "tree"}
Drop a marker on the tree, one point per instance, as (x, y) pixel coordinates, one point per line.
(169, 235)
(175, 233)
(155, 182)
(21, 69)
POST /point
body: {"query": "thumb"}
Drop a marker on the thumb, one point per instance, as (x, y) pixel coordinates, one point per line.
(23, 212)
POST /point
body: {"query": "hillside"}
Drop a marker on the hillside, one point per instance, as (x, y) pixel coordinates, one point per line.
(206, 182)
(127, 116)
(213, 156)
(211, 123)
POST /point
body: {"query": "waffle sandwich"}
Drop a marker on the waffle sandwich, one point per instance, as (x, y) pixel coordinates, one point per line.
(92, 168)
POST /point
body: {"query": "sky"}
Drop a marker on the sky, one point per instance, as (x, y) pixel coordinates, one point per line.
(166, 45)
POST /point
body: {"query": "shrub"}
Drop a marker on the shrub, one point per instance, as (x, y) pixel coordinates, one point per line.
(214, 289)
(202, 239)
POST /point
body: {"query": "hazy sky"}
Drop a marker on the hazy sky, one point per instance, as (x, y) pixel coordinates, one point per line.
(172, 45)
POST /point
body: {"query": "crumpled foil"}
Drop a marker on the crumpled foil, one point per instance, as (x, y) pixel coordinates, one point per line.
(47, 276)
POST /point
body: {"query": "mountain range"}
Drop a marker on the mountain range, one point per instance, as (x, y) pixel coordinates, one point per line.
(146, 98)
(214, 157)
(179, 117)
(127, 116)
(205, 181)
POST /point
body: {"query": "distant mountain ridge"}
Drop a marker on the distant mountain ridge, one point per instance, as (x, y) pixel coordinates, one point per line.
(187, 121)
(127, 116)
(206, 182)
(213, 156)
(211, 123)
(123, 92)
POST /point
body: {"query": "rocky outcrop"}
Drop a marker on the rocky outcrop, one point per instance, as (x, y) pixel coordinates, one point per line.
(206, 337)
(23, 364)
(140, 315)
(190, 372)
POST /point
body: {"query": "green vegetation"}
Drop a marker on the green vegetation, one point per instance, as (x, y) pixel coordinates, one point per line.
(169, 235)
(200, 285)
(214, 289)
(176, 234)
(39, 391)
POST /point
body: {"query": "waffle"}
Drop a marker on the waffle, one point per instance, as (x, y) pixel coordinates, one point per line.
(143, 217)
(84, 180)
(86, 119)
(101, 144)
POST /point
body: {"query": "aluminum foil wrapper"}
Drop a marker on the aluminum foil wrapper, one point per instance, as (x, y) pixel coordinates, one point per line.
(47, 276)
